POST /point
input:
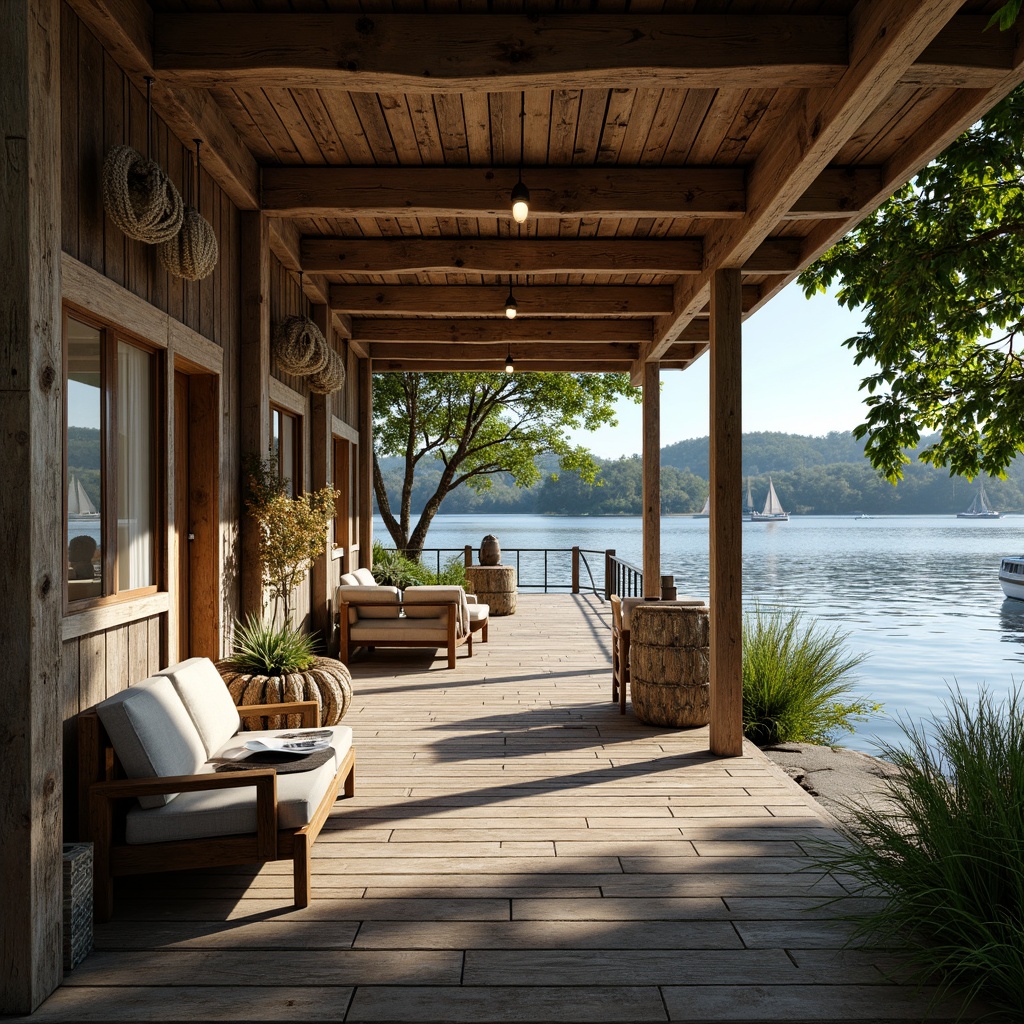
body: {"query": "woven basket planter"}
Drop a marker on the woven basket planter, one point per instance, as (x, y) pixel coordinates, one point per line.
(193, 252)
(331, 378)
(299, 346)
(139, 197)
(669, 666)
(328, 682)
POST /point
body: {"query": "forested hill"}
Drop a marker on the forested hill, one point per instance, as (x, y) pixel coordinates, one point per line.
(812, 475)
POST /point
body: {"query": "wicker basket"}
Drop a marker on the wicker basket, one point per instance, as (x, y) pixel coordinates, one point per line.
(193, 252)
(300, 347)
(328, 682)
(669, 667)
(331, 378)
(139, 197)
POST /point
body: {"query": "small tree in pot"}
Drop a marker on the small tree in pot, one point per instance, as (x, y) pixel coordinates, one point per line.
(276, 662)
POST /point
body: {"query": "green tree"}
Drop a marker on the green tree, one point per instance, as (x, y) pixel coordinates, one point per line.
(478, 425)
(939, 270)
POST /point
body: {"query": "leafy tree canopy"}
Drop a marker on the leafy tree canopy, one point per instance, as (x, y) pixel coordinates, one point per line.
(481, 424)
(939, 269)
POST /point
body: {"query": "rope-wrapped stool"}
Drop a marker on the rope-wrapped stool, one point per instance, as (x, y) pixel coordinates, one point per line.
(331, 378)
(300, 347)
(139, 197)
(194, 252)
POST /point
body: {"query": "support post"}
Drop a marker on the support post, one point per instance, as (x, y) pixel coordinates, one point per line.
(322, 474)
(575, 570)
(365, 373)
(726, 733)
(31, 503)
(254, 388)
(609, 574)
(652, 481)
(467, 554)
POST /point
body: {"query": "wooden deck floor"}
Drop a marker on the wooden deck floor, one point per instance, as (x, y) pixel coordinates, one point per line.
(516, 851)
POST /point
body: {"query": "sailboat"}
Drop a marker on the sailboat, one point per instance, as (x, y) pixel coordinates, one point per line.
(705, 512)
(773, 511)
(980, 508)
(80, 505)
(748, 505)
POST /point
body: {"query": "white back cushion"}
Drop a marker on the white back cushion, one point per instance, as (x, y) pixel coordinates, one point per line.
(206, 699)
(348, 579)
(364, 577)
(418, 606)
(373, 602)
(152, 733)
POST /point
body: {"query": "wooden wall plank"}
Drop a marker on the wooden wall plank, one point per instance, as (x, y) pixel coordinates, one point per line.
(70, 707)
(69, 132)
(117, 672)
(91, 150)
(138, 650)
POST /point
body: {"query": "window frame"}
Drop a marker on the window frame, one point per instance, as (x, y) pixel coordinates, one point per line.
(298, 481)
(111, 334)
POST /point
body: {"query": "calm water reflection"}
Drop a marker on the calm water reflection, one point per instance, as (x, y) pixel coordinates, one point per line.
(918, 594)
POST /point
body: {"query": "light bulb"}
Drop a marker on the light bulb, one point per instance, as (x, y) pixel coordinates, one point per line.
(510, 307)
(520, 203)
(509, 367)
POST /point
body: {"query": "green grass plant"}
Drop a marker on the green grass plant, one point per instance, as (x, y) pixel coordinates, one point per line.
(264, 649)
(797, 680)
(949, 852)
(392, 569)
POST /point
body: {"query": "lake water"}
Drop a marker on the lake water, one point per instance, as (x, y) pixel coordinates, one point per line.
(918, 594)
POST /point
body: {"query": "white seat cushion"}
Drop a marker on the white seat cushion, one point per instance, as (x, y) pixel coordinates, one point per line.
(152, 734)
(478, 614)
(206, 698)
(229, 812)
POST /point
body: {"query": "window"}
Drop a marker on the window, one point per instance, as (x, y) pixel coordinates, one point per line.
(110, 462)
(346, 514)
(286, 430)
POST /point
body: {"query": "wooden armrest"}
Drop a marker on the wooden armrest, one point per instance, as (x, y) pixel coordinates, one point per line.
(103, 794)
(309, 709)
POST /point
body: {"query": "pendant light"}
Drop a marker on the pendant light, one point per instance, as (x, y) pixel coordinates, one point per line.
(509, 365)
(520, 193)
(511, 306)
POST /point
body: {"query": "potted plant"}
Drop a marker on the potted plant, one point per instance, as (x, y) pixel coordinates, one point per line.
(271, 660)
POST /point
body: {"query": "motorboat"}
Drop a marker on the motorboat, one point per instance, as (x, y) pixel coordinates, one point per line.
(1011, 576)
(980, 508)
(773, 511)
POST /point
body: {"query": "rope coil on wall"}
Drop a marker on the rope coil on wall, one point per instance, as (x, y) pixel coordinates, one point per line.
(331, 378)
(299, 346)
(194, 252)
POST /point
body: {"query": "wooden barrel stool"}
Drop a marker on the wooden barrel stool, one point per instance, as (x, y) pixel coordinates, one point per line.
(669, 669)
(494, 585)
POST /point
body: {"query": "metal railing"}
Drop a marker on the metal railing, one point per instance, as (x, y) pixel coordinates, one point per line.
(559, 570)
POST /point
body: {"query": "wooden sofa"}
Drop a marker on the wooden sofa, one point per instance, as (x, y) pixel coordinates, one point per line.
(422, 616)
(150, 800)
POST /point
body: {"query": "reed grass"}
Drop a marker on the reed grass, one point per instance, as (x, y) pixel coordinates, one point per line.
(797, 680)
(949, 851)
(261, 648)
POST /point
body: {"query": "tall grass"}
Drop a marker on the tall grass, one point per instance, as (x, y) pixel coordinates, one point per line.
(797, 680)
(392, 569)
(949, 853)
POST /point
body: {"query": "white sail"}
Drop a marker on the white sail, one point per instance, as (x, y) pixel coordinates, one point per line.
(79, 502)
(750, 497)
(705, 512)
(980, 508)
(772, 505)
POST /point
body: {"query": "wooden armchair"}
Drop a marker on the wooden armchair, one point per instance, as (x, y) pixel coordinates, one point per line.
(620, 655)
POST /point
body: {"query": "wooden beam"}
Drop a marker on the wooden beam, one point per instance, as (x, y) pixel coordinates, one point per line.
(364, 455)
(776, 256)
(414, 365)
(125, 29)
(965, 54)
(651, 481)
(320, 590)
(588, 301)
(886, 37)
(498, 53)
(360, 256)
(436, 53)
(417, 332)
(32, 501)
(254, 385)
(708, 192)
(484, 191)
(726, 525)
(442, 352)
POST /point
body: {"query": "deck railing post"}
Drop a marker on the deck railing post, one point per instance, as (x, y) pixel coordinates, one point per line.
(608, 569)
(668, 588)
(575, 570)
(468, 554)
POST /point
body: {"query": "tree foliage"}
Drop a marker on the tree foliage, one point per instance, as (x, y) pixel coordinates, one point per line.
(477, 425)
(939, 270)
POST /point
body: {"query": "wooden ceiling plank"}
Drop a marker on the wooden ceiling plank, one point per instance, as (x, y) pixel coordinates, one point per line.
(565, 112)
(886, 37)
(477, 300)
(478, 127)
(262, 111)
(293, 117)
(398, 117)
(125, 29)
(346, 122)
(538, 126)
(451, 128)
(444, 352)
(375, 129)
(399, 330)
(321, 126)
(501, 256)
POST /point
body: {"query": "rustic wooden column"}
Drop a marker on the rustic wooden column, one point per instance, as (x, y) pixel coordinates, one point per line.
(253, 389)
(31, 503)
(726, 516)
(652, 481)
(365, 463)
(322, 474)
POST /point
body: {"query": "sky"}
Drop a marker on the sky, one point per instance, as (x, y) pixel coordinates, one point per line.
(797, 378)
